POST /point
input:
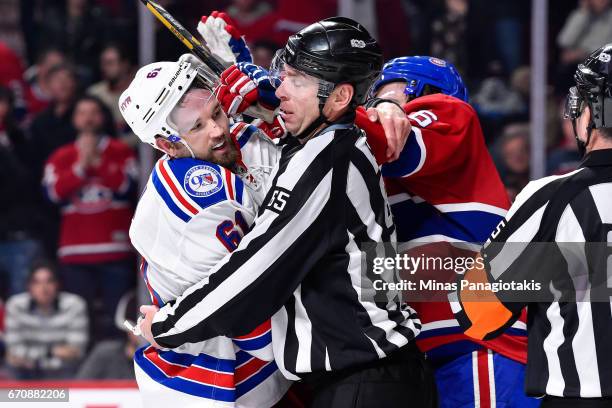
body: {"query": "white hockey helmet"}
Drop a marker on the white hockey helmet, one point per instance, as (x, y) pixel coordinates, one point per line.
(154, 92)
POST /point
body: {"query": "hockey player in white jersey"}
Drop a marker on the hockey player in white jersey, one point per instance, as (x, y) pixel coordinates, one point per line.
(193, 212)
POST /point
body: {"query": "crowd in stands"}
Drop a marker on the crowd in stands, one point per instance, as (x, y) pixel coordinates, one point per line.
(68, 162)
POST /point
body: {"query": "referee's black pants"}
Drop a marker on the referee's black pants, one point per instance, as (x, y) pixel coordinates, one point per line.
(557, 402)
(401, 380)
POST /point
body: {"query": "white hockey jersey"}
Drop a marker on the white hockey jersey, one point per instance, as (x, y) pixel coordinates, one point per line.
(192, 214)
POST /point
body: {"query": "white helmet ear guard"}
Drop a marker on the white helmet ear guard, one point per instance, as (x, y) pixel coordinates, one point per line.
(154, 92)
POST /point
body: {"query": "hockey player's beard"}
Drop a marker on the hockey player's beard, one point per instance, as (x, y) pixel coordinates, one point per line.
(226, 158)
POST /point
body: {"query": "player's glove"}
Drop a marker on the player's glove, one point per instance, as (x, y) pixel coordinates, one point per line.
(243, 85)
(224, 39)
(274, 130)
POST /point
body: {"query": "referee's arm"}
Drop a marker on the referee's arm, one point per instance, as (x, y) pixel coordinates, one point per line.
(249, 285)
(507, 257)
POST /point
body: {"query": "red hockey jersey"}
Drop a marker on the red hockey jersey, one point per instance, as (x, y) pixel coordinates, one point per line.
(95, 206)
(445, 191)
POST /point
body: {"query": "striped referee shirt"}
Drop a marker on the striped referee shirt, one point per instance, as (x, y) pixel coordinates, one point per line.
(569, 218)
(302, 264)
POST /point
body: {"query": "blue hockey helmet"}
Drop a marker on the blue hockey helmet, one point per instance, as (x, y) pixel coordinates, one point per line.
(420, 71)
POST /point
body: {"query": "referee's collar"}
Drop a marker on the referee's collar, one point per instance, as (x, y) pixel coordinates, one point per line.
(595, 158)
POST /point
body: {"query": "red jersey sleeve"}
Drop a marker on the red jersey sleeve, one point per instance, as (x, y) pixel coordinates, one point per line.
(442, 127)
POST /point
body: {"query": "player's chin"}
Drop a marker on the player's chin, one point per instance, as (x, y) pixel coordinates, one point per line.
(227, 157)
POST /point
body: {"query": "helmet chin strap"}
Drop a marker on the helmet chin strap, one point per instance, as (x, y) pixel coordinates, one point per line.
(188, 148)
(178, 139)
(582, 145)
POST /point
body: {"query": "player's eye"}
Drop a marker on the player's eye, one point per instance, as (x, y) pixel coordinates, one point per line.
(196, 126)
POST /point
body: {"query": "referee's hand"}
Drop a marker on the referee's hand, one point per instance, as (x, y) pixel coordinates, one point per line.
(145, 322)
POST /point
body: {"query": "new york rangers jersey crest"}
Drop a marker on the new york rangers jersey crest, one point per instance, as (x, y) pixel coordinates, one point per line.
(202, 181)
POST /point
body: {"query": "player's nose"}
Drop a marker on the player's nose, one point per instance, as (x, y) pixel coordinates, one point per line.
(216, 131)
(280, 92)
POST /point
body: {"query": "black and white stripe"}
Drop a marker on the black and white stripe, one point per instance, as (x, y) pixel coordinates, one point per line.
(302, 264)
(570, 338)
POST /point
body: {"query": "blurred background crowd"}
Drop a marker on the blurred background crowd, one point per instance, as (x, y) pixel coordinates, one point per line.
(69, 164)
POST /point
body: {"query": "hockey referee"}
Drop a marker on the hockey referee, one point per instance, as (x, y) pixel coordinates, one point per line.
(567, 221)
(302, 263)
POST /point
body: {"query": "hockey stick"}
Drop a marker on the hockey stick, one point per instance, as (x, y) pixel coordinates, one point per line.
(196, 47)
(201, 51)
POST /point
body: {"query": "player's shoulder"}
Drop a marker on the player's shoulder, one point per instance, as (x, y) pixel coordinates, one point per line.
(439, 101)
(188, 186)
(441, 111)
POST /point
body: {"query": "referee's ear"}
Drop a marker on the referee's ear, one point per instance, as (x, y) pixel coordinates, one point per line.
(339, 101)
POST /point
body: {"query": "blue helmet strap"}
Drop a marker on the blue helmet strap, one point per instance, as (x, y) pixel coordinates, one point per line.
(178, 139)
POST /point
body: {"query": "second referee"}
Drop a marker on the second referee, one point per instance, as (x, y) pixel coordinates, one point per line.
(559, 231)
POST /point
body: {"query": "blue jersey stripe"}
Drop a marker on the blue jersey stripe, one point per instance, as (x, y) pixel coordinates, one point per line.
(416, 220)
(202, 360)
(256, 379)
(239, 189)
(254, 344)
(145, 269)
(513, 331)
(408, 161)
(444, 353)
(179, 384)
(242, 357)
(165, 195)
(246, 135)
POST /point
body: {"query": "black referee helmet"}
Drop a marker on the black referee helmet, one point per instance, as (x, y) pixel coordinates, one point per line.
(593, 89)
(336, 50)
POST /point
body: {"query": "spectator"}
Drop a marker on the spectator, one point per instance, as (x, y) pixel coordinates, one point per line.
(449, 41)
(49, 130)
(290, 16)
(247, 12)
(52, 128)
(10, 30)
(19, 216)
(499, 102)
(34, 16)
(117, 71)
(11, 76)
(80, 30)
(113, 359)
(514, 156)
(585, 30)
(38, 78)
(92, 181)
(263, 52)
(46, 330)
